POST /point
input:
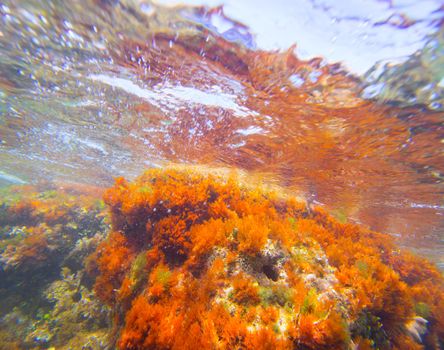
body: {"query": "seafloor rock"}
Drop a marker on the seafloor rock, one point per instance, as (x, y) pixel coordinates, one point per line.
(39, 233)
(44, 238)
(77, 320)
(196, 262)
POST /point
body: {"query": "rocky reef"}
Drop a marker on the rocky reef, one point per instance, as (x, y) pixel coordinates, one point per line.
(47, 302)
(204, 262)
(188, 259)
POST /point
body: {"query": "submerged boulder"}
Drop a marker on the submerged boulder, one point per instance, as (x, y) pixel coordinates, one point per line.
(204, 262)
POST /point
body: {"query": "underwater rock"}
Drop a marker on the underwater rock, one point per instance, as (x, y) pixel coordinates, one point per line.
(419, 80)
(198, 261)
(76, 317)
(14, 327)
(42, 233)
(73, 318)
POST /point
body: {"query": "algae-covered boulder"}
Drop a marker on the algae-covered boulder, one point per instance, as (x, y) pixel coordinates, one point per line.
(203, 262)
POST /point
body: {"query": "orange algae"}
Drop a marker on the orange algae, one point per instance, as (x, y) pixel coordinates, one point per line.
(201, 262)
(43, 223)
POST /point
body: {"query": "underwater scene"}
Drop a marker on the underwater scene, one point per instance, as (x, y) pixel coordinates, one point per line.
(222, 174)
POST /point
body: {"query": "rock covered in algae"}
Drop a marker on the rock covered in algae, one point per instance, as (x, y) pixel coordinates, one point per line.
(76, 320)
(40, 229)
(203, 262)
(45, 236)
(69, 317)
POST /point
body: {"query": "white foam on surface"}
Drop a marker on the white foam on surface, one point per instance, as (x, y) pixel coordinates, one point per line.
(176, 97)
